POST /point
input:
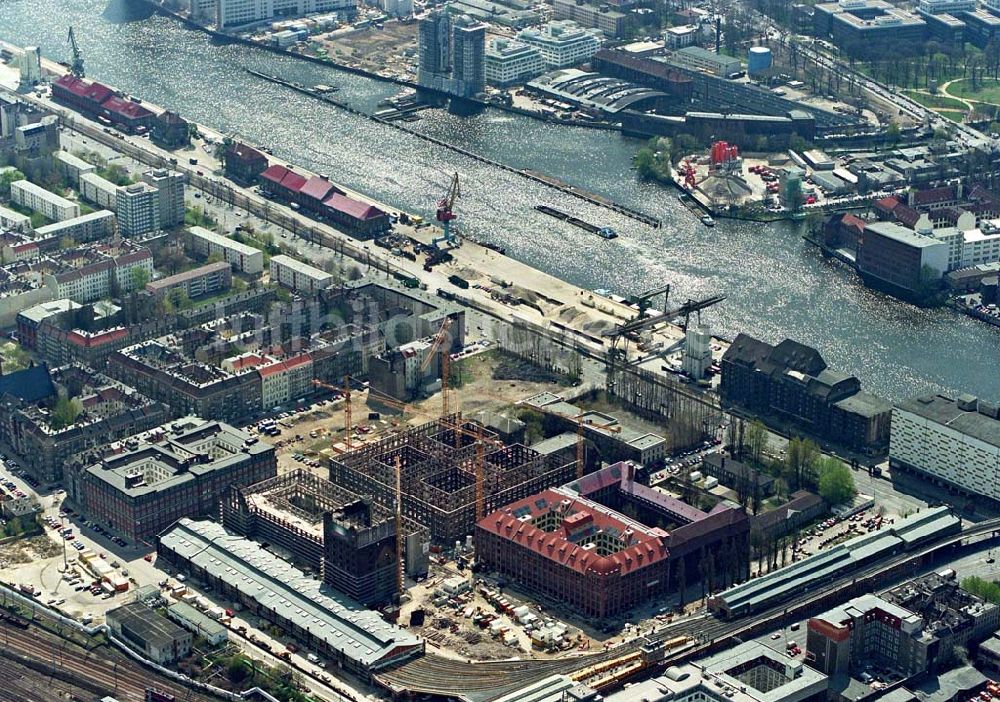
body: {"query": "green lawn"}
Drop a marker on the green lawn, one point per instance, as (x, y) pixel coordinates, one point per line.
(989, 90)
(936, 101)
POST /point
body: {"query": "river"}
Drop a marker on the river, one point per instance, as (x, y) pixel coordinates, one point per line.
(777, 286)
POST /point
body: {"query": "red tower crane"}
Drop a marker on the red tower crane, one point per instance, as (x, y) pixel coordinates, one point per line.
(446, 213)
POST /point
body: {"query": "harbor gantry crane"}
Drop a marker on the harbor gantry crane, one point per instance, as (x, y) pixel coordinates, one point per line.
(76, 65)
(644, 300)
(446, 213)
(442, 343)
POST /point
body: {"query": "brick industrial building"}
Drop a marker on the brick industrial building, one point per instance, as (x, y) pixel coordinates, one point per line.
(605, 543)
(791, 382)
(350, 540)
(181, 469)
(439, 474)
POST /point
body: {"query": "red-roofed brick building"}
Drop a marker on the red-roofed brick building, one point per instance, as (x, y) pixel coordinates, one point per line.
(358, 218)
(80, 94)
(574, 544)
(314, 192)
(244, 164)
(281, 183)
(126, 114)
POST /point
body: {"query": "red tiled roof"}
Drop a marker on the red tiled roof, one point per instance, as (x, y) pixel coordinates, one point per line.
(125, 108)
(887, 204)
(352, 207)
(849, 220)
(248, 361)
(84, 89)
(92, 340)
(244, 152)
(293, 181)
(274, 174)
(643, 549)
(906, 215)
(286, 365)
(316, 188)
(934, 195)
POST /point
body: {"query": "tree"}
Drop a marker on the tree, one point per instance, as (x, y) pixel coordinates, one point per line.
(140, 276)
(756, 442)
(8, 177)
(892, 132)
(237, 671)
(836, 482)
(800, 462)
(983, 589)
(65, 412)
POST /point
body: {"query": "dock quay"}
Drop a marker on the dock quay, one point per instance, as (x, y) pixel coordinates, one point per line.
(603, 232)
(550, 181)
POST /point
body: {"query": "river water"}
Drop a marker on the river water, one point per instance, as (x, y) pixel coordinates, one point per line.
(777, 286)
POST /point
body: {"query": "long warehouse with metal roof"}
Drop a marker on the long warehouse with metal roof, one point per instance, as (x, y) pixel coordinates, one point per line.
(324, 620)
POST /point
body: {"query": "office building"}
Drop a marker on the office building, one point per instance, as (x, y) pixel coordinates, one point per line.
(138, 209)
(237, 13)
(37, 199)
(954, 441)
(246, 259)
(696, 58)
(861, 28)
(791, 382)
(576, 544)
(679, 37)
(747, 672)
(325, 621)
(612, 23)
(562, 43)
(901, 261)
(170, 195)
(203, 11)
(511, 62)
(181, 469)
(349, 540)
(299, 276)
(156, 637)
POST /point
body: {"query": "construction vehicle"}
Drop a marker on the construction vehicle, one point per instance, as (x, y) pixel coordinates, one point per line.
(446, 214)
(76, 65)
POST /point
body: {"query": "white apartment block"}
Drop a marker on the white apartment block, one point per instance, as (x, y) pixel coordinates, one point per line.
(11, 221)
(98, 190)
(72, 167)
(88, 227)
(511, 62)
(955, 441)
(170, 194)
(138, 209)
(290, 273)
(38, 199)
(563, 43)
(968, 245)
(242, 257)
(235, 13)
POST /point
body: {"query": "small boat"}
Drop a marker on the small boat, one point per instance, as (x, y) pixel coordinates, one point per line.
(708, 221)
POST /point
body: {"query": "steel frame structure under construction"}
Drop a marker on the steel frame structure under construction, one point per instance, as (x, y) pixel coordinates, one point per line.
(439, 466)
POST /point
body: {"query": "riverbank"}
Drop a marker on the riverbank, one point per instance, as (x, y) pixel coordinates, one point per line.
(549, 306)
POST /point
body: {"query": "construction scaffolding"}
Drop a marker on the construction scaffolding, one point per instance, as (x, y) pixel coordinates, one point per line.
(439, 462)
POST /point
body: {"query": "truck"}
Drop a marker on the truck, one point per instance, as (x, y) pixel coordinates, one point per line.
(458, 281)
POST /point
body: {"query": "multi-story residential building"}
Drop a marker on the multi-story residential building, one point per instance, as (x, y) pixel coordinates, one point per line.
(912, 628)
(181, 469)
(100, 191)
(89, 227)
(612, 23)
(953, 441)
(138, 209)
(11, 221)
(562, 43)
(203, 11)
(209, 279)
(236, 13)
(38, 199)
(791, 382)
(679, 37)
(37, 139)
(469, 48)
(511, 62)
(243, 258)
(452, 54)
(285, 380)
(72, 167)
(170, 195)
(299, 276)
(110, 411)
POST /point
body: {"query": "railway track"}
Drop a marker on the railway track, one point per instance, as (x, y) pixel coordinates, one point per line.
(480, 682)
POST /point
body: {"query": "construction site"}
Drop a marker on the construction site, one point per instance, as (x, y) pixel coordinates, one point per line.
(348, 539)
(451, 472)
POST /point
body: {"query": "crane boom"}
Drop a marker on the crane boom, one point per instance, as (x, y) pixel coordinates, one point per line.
(76, 65)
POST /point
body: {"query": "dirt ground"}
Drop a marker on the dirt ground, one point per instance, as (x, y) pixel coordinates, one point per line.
(375, 49)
